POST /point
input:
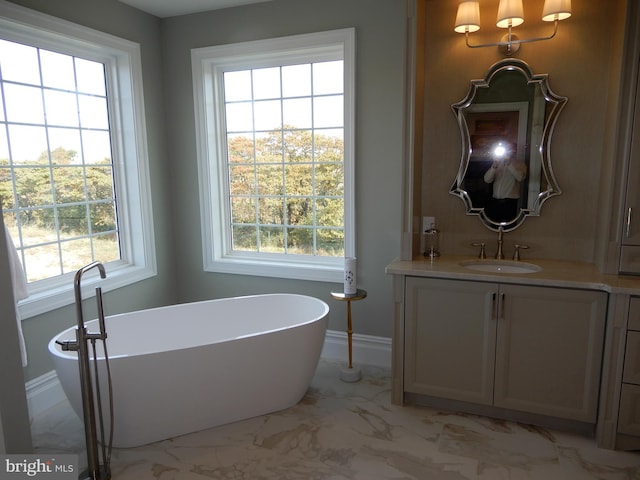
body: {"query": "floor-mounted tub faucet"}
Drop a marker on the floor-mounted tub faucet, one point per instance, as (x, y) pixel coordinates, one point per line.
(95, 471)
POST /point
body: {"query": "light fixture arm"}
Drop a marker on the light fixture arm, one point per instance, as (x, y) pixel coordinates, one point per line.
(512, 39)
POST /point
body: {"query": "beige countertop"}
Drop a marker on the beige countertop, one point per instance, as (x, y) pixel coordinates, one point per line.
(553, 273)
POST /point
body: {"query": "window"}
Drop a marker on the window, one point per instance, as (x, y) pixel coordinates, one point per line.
(70, 163)
(274, 122)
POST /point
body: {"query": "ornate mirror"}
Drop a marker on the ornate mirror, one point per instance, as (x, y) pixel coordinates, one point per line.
(506, 123)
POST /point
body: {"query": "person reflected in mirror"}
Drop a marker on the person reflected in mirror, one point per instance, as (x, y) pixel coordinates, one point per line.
(506, 173)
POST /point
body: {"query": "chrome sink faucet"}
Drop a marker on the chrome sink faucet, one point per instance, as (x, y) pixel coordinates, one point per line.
(499, 254)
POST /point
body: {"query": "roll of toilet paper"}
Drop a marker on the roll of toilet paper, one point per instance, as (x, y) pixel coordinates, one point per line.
(350, 276)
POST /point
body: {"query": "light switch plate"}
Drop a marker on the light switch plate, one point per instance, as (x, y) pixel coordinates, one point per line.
(428, 223)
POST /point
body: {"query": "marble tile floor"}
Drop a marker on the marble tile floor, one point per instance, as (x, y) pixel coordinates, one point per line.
(351, 431)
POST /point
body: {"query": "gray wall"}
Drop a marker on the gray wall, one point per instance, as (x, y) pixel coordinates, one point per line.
(380, 26)
(166, 45)
(118, 19)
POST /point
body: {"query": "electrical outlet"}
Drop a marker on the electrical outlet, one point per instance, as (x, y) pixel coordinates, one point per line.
(428, 223)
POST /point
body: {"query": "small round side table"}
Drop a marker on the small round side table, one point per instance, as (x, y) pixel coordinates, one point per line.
(350, 374)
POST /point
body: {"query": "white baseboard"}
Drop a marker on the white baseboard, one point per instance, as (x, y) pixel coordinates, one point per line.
(367, 349)
(45, 391)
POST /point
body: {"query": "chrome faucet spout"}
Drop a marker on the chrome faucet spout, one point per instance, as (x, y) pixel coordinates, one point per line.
(499, 253)
(78, 290)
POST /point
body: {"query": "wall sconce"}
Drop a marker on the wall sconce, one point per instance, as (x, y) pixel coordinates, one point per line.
(510, 14)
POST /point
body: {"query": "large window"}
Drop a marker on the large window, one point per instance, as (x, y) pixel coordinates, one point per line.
(275, 132)
(70, 163)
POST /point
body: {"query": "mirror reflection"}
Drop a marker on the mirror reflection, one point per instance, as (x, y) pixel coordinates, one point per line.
(506, 123)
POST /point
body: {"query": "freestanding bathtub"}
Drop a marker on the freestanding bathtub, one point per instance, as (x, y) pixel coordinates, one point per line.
(188, 367)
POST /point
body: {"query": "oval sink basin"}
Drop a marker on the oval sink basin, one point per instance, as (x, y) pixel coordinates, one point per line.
(501, 266)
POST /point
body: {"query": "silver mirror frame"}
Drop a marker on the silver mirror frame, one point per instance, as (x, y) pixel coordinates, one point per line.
(554, 104)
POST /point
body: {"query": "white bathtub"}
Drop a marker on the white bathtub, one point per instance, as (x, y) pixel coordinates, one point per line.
(188, 367)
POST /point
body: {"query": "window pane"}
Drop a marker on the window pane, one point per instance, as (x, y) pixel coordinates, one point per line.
(328, 111)
(28, 144)
(240, 148)
(57, 70)
(243, 210)
(96, 146)
(329, 212)
(245, 238)
(300, 241)
(90, 77)
(271, 239)
(299, 211)
(33, 186)
(107, 247)
(99, 183)
(298, 146)
(103, 219)
(93, 112)
(266, 83)
(237, 86)
(296, 81)
(329, 179)
(61, 107)
(299, 179)
(270, 211)
(24, 104)
(19, 63)
(297, 113)
(42, 262)
(329, 145)
(67, 140)
(269, 179)
(73, 221)
(239, 117)
(75, 254)
(328, 78)
(267, 114)
(269, 147)
(330, 242)
(241, 180)
(6, 185)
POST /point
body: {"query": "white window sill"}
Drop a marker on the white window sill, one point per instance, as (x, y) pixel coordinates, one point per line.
(63, 294)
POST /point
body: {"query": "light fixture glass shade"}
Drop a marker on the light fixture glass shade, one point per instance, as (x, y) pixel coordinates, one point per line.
(556, 10)
(468, 17)
(510, 12)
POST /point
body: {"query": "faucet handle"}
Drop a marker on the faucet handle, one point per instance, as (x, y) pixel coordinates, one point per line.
(516, 252)
(482, 255)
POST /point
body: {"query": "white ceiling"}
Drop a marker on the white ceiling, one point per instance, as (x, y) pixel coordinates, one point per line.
(171, 8)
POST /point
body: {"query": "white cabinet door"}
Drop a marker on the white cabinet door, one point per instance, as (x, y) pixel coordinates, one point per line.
(450, 339)
(524, 348)
(549, 350)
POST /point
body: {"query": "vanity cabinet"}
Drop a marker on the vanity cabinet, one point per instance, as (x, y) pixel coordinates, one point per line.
(629, 413)
(629, 145)
(523, 348)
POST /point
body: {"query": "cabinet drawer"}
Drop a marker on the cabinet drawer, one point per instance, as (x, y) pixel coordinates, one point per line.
(634, 314)
(630, 259)
(632, 359)
(629, 416)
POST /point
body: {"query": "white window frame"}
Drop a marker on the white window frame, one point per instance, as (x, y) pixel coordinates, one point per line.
(208, 66)
(129, 148)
